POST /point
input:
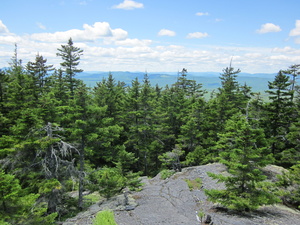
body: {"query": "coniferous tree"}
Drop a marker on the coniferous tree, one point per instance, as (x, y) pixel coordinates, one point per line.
(4, 120)
(71, 59)
(280, 113)
(109, 99)
(227, 97)
(243, 150)
(39, 71)
(294, 71)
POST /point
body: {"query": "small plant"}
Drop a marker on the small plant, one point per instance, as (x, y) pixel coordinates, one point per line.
(201, 215)
(194, 184)
(105, 217)
(164, 174)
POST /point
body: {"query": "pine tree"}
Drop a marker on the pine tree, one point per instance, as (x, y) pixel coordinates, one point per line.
(243, 150)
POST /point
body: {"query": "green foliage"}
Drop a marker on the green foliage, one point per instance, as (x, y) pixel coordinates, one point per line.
(201, 215)
(280, 114)
(108, 181)
(195, 184)
(197, 157)
(18, 207)
(10, 190)
(242, 195)
(133, 130)
(47, 186)
(105, 218)
(290, 181)
(172, 158)
(243, 153)
(164, 174)
(70, 56)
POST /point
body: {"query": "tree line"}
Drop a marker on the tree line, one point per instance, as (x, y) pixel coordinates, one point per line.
(58, 135)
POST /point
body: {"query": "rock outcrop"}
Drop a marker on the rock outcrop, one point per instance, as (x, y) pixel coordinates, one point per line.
(173, 202)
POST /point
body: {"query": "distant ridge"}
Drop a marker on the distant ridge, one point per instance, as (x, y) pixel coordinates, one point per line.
(209, 80)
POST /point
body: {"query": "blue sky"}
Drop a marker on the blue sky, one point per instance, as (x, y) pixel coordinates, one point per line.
(260, 36)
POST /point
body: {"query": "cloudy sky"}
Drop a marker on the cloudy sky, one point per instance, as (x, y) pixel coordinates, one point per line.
(155, 35)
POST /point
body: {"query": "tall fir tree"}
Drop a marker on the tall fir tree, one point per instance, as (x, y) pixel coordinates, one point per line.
(71, 59)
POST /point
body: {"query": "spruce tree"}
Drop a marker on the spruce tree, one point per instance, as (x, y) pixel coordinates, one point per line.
(280, 113)
(243, 150)
(39, 71)
(71, 59)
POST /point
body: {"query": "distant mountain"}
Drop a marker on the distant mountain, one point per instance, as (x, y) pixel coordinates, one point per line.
(209, 80)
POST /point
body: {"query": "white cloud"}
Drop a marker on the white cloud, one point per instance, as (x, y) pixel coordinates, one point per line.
(3, 28)
(297, 40)
(89, 33)
(296, 30)
(165, 32)
(83, 3)
(41, 26)
(202, 14)
(128, 5)
(268, 28)
(197, 35)
(109, 49)
(286, 50)
(133, 42)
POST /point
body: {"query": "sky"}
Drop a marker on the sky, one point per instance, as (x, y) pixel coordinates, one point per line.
(256, 36)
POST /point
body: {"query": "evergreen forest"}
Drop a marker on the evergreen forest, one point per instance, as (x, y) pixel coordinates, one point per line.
(59, 136)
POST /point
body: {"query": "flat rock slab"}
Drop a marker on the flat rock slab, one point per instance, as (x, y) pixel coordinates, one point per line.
(171, 202)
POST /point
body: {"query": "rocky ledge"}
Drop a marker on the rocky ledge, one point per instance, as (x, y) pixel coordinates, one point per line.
(172, 201)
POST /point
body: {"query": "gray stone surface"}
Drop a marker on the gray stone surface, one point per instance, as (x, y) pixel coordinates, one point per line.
(171, 202)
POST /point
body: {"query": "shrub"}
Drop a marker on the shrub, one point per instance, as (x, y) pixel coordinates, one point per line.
(164, 174)
(290, 181)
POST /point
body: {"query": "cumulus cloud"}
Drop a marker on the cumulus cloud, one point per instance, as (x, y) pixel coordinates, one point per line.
(197, 35)
(166, 32)
(3, 28)
(296, 30)
(268, 28)
(133, 54)
(88, 33)
(128, 5)
(202, 14)
(133, 42)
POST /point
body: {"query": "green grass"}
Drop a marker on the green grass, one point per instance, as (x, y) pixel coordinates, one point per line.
(105, 217)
